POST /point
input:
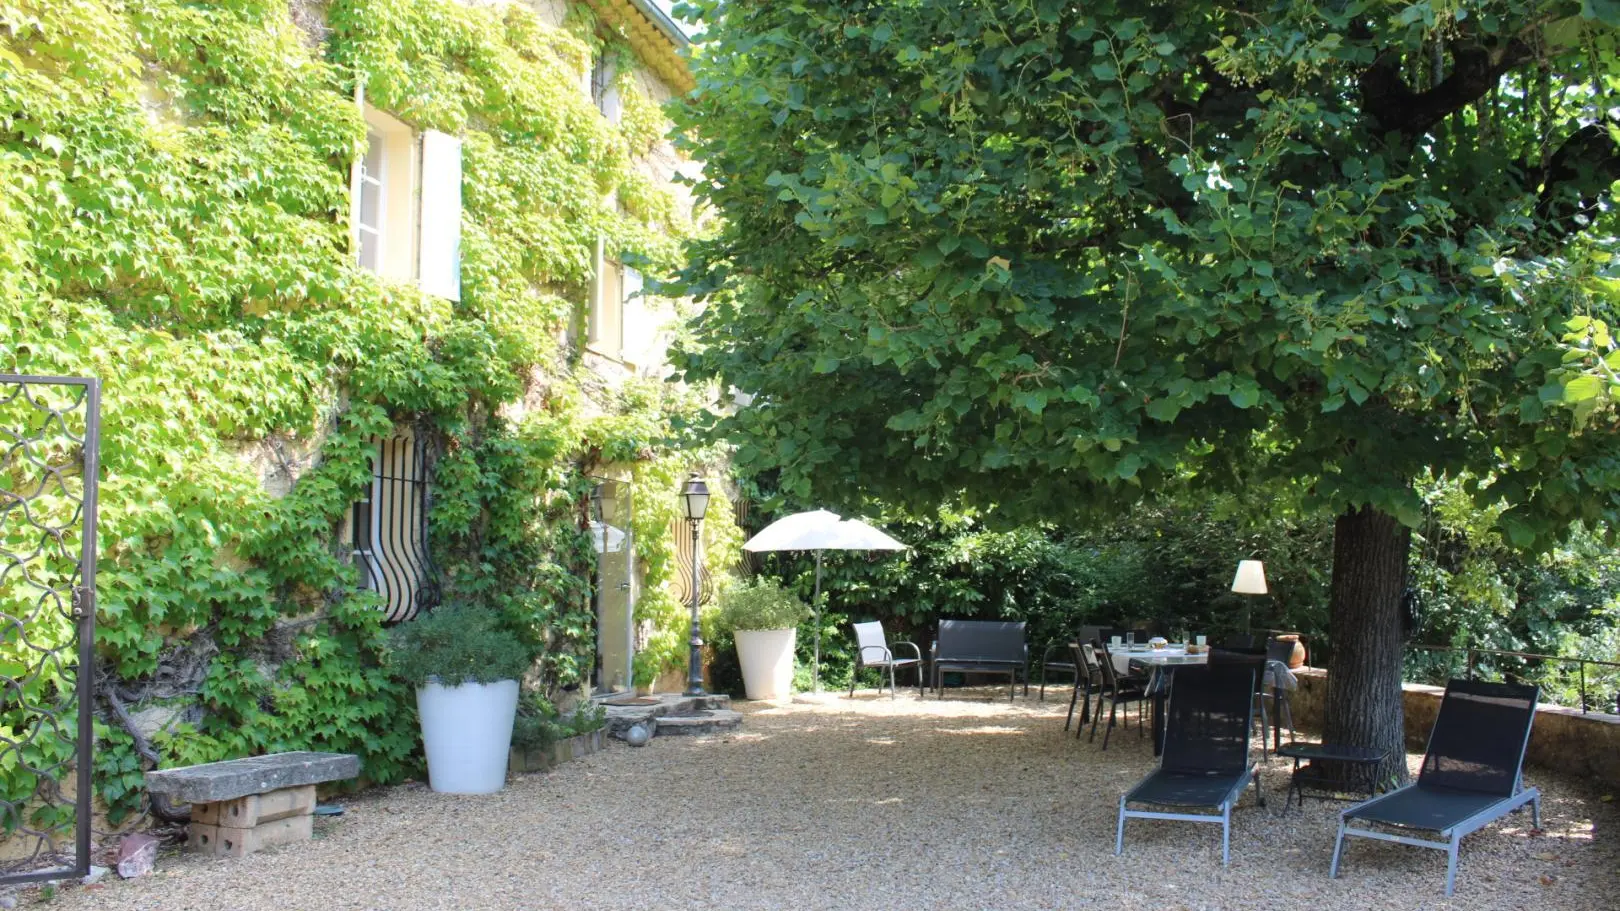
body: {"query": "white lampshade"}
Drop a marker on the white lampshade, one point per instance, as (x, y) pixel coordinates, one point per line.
(1250, 578)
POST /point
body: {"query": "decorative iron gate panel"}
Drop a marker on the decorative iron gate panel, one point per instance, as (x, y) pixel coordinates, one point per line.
(49, 445)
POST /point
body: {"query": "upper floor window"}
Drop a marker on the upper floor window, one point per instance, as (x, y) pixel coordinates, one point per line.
(614, 307)
(604, 90)
(606, 326)
(406, 205)
(368, 221)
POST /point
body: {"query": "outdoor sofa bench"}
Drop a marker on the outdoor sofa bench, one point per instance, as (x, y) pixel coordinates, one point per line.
(982, 647)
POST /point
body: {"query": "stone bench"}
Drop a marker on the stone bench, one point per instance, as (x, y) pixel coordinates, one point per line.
(241, 805)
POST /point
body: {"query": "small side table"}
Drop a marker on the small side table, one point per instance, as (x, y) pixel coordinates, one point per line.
(1365, 761)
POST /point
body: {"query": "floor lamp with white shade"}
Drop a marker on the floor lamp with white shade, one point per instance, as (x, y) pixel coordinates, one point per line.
(1250, 580)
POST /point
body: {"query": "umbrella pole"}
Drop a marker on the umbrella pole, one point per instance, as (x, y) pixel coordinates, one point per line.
(815, 600)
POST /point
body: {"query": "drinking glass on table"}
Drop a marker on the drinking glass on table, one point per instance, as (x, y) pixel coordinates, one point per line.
(1130, 639)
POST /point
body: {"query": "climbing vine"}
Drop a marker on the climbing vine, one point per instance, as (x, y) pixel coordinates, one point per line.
(173, 219)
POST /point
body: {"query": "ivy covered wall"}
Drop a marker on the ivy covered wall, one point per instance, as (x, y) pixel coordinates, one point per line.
(174, 205)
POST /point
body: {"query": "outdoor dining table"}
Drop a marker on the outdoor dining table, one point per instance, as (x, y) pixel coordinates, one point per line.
(1163, 661)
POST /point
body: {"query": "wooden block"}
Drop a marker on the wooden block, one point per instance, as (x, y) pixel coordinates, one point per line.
(255, 809)
(228, 842)
(201, 837)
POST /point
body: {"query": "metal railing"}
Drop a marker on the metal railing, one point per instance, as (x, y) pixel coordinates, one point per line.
(1472, 665)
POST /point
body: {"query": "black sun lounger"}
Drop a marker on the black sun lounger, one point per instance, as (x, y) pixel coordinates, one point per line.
(1470, 777)
(1206, 762)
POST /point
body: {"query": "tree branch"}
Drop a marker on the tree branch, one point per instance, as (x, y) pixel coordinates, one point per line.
(1576, 180)
(1395, 108)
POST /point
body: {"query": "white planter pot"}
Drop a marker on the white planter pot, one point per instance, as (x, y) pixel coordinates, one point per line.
(467, 734)
(766, 656)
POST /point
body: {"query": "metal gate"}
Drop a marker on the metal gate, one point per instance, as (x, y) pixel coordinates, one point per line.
(49, 443)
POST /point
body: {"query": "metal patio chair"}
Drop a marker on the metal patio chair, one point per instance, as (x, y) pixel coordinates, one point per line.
(1256, 659)
(1206, 763)
(1087, 680)
(1117, 690)
(872, 649)
(1058, 656)
(1471, 776)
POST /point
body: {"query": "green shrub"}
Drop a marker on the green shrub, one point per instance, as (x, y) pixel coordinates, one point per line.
(539, 724)
(457, 645)
(760, 604)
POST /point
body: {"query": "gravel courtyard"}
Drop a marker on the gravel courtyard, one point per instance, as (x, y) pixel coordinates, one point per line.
(870, 803)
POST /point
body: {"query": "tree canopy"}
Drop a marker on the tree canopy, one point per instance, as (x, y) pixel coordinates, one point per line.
(1049, 255)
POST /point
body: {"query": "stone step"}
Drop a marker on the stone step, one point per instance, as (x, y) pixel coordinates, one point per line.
(713, 721)
(625, 712)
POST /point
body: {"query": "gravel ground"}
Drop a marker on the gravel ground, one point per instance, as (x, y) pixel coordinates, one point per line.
(962, 803)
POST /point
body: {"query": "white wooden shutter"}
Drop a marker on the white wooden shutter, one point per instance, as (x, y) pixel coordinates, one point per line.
(637, 320)
(439, 257)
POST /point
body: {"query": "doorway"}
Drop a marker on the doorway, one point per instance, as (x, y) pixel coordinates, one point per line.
(615, 586)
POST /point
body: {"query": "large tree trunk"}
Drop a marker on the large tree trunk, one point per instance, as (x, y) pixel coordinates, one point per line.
(1370, 551)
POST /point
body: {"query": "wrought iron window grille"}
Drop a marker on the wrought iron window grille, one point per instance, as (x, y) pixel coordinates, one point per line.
(389, 529)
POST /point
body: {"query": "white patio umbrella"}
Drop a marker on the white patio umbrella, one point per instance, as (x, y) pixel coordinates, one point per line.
(820, 530)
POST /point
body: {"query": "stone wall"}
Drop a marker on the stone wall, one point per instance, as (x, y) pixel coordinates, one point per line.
(1563, 739)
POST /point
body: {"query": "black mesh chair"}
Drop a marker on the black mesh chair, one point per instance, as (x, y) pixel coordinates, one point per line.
(1117, 690)
(1087, 680)
(1058, 656)
(1205, 764)
(1100, 634)
(1278, 654)
(1471, 773)
(1256, 659)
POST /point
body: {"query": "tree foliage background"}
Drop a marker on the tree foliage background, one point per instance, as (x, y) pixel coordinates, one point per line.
(1040, 257)
(1169, 566)
(1044, 257)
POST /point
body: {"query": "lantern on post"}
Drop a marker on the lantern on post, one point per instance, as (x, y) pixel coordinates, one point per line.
(695, 500)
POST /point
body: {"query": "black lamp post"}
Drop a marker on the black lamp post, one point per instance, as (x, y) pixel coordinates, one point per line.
(696, 498)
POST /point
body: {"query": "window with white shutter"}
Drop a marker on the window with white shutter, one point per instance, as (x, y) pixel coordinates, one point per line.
(406, 206)
(638, 327)
(383, 210)
(605, 90)
(368, 222)
(606, 326)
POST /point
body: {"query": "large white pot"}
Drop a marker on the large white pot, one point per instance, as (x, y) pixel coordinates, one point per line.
(467, 734)
(766, 656)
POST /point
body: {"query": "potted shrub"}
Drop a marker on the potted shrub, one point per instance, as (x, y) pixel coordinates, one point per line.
(764, 619)
(466, 669)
